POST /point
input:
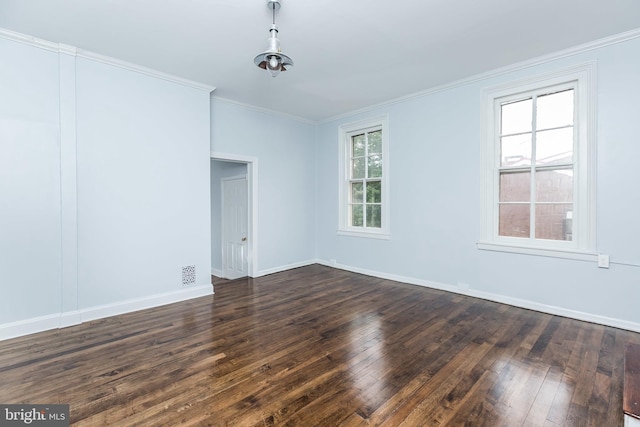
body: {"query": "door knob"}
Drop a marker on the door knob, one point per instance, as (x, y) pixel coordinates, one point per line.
(244, 239)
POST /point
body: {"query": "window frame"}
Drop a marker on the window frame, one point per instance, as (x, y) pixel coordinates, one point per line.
(582, 246)
(345, 132)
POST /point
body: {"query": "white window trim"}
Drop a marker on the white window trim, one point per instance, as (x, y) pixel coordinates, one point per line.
(343, 228)
(583, 246)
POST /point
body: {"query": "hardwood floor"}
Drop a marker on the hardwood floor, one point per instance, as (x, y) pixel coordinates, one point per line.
(317, 346)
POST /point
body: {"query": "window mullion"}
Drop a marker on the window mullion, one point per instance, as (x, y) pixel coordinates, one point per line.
(364, 180)
(366, 156)
(364, 203)
(576, 168)
(534, 137)
(543, 130)
(552, 167)
(497, 110)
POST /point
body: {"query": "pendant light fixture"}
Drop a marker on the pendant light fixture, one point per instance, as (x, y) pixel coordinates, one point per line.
(273, 59)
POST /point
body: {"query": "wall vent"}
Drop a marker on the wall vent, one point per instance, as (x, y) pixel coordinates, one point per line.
(188, 275)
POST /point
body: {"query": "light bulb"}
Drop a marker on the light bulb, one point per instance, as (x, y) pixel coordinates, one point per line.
(273, 65)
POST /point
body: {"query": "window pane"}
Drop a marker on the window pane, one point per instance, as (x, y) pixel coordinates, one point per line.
(554, 186)
(374, 194)
(515, 150)
(375, 142)
(375, 166)
(374, 216)
(356, 192)
(356, 216)
(357, 168)
(357, 146)
(554, 146)
(514, 220)
(555, 110)
(515, 186)
(516, 117)
(554, 221)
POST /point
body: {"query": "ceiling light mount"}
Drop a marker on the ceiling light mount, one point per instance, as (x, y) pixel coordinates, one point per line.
(273, 59)
(273, 4)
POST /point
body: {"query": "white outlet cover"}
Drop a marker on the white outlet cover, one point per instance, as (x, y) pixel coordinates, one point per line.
(603, 261)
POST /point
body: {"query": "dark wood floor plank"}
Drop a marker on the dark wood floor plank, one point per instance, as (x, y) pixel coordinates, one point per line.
(631, 397)
(539, 410)
(622, 338)
(588, 351)
(317, 346)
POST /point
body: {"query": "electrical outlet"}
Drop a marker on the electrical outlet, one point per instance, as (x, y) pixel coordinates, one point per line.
(603, 261)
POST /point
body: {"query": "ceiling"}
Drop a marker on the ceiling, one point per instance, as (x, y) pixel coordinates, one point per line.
(348, 54)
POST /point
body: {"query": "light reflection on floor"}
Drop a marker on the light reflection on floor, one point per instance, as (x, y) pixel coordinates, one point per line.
(368, 368)
(527, 388)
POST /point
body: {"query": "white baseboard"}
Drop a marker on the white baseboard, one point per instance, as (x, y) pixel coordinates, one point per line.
(70, 318)
(285, 267)
(136, 304)
(216, 272)
(62, 320)
(29, 326)
(503, 299)
(54, 321)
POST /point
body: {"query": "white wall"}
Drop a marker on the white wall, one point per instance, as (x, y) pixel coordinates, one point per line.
(143, 184)
(104, 186)
(30, 227)
(105, 191)
(435, 200)
(284, 149)
(219, 170)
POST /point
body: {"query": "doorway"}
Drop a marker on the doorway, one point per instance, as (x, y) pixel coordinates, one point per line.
(233, 216)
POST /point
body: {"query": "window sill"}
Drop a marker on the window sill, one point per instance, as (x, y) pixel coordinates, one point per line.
(574, 254)
(365, 234)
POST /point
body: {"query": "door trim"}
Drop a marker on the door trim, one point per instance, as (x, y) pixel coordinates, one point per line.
(252, 208)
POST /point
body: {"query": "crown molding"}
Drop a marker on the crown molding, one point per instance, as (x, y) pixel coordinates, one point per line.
(72, 50)
(29, 40)
(59, 48)
(565, 53)
(69, 50)
(264, 110)
(142, 70)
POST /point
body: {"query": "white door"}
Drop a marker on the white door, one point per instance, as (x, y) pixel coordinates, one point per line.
(234, 227)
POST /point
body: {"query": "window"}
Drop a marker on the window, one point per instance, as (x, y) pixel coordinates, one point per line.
(538, 166)
(364, 207)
